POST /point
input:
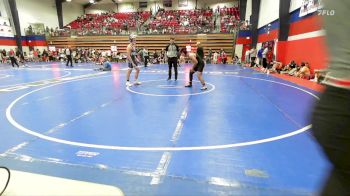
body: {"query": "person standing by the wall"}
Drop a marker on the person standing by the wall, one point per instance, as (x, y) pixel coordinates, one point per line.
(264, 59)
(223, 57)
(269, 59)
(172, 53)
(261, 50)
(145, 56)
(162, 56)
(247, 57)
(13, 59)
(210, 56)
(215, 57)
(36, 56)
(20, 56)
(3, 56)
(253, 53)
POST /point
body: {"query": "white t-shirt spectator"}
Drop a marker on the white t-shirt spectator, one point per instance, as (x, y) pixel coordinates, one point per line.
(253, 52)
(265, 52)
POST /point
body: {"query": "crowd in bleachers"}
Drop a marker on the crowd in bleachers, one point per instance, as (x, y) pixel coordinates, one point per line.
(223, 20)
(108, 23)
(180, 21)
(229, 18)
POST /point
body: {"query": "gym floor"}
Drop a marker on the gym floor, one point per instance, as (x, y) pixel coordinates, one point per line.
(248, 134)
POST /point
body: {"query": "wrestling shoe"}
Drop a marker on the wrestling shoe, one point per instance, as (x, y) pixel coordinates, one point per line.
(204, 88)
(137, 83)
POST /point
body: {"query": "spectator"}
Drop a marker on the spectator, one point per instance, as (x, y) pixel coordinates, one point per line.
(155, 58)
(253, 54)
(223, 57)
(30, 55)
(286, 69)
(162, 56)
(210, 56)
(39, 53)
(145, 56)
(215, 57)
(13, 59)
(45, 56)
(50, 55)
(30, 30)
(236, 60)
(277, 67)
(264, 58)
(269, 59)
(260, 55)
(292, 71)
(20, 56)
(304, 71)
(246, 57)
(3, 56)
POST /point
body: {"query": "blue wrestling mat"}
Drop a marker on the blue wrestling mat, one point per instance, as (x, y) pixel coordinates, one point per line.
(248, 134)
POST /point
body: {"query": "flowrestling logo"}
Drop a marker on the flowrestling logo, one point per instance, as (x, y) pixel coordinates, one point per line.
(324, 12)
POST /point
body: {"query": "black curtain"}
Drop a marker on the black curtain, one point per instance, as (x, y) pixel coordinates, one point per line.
(284, 20)
(242, 9)
(59, 13)
(254, 21)
(14, 13)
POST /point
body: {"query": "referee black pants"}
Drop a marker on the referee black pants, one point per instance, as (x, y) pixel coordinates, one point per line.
(69, 59)
(172, 62)
(331, 128)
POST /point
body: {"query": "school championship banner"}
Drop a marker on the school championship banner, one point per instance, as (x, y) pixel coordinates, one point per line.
(310, 6)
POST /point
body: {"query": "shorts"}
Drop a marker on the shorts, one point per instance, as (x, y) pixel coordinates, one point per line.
(131, 66)
(199, 67)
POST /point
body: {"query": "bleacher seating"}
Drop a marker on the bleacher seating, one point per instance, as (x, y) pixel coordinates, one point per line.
(112, 21)
(164, 22)
(184, 24)
(181, 21)
(229, 18)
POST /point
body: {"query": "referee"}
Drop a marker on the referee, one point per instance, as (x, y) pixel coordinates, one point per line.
(172, 51)
(331, 116)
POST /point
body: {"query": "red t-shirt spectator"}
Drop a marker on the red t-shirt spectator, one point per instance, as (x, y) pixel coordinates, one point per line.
(11, 53)
(269, 56)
